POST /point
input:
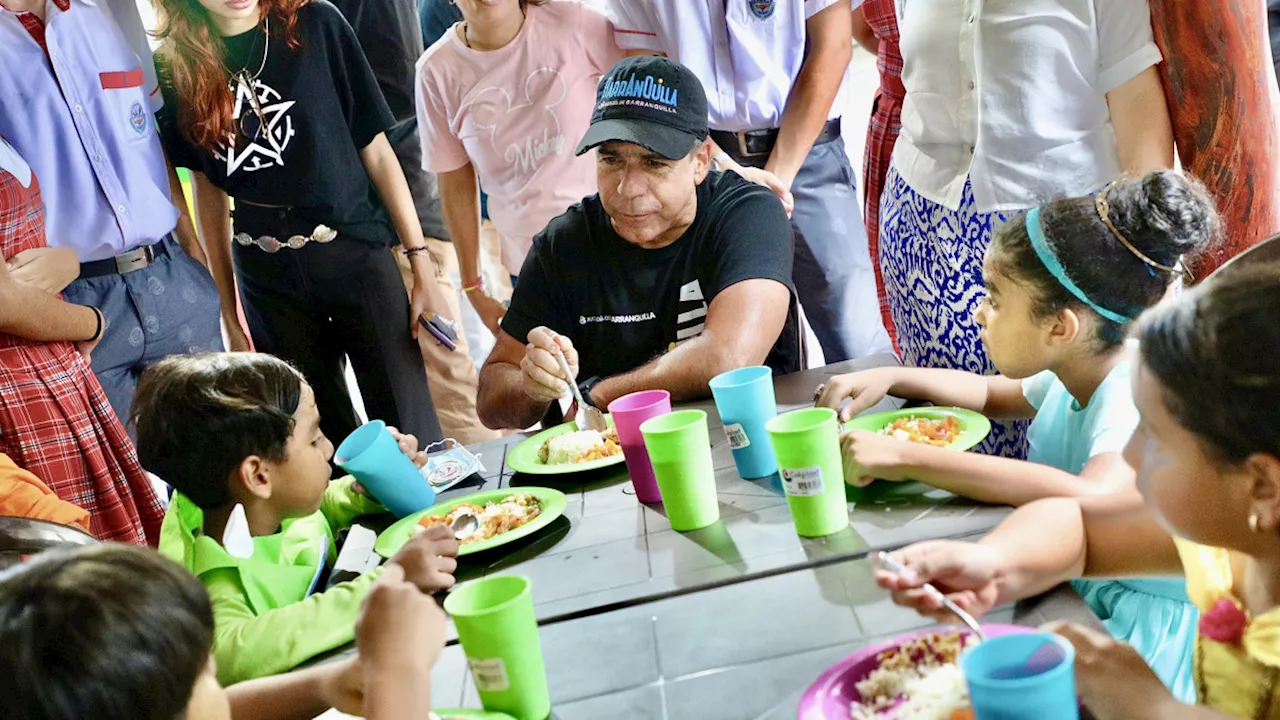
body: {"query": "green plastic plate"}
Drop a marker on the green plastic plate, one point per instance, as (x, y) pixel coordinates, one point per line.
(974, 426)
(524, 457)
(553, 504)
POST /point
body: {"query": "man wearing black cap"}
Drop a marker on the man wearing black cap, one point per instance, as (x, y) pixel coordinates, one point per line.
(669, 276)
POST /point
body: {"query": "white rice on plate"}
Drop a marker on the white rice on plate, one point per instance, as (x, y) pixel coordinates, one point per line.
(918, 680)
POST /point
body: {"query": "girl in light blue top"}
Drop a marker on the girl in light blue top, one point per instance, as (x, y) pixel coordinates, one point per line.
(1062, 283)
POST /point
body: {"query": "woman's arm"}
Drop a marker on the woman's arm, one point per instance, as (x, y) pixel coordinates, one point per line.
(387, 176)
(35, 314)
(460, 200)
(1140, 116)
(213, 221)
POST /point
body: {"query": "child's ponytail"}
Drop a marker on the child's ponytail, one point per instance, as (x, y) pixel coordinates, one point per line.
(1119, 251)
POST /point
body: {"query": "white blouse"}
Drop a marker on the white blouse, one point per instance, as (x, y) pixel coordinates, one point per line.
(1012, 95)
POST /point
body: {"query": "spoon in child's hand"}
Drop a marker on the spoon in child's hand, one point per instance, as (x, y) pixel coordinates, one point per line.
(888, 563)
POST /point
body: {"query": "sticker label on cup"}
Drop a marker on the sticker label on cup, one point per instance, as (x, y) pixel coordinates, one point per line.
(490, 675)
(737, 436)
(802, 482)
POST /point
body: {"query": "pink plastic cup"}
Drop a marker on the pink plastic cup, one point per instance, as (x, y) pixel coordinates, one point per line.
(629, 412)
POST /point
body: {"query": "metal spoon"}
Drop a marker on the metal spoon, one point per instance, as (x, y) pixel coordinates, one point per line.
(888, 563)
(464, 524)
(589, 417)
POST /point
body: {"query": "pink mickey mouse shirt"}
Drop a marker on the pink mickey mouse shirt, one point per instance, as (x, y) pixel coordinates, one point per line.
(517, 114)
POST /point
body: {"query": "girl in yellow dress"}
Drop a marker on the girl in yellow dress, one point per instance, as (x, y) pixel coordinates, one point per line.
(1207, 456)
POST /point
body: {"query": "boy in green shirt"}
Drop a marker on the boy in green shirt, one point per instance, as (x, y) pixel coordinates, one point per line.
(242, 429)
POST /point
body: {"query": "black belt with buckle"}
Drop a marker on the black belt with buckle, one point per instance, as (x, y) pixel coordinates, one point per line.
(756, 143)
(135, 259)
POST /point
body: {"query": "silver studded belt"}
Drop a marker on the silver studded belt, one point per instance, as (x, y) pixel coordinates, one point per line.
(267, 243)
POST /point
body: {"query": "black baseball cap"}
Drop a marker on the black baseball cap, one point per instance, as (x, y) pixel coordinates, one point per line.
(650, 101)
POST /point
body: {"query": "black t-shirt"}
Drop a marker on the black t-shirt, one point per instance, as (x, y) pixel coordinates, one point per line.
(392, 40)
(623, 306)
(321, 105)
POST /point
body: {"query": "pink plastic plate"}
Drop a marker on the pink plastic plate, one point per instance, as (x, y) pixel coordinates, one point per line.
(831, 695)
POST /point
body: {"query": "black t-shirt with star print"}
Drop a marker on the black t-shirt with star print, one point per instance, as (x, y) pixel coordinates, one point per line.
(321, 105)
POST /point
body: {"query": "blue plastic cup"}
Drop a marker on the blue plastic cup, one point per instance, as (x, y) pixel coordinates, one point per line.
(1027, 676)
(745, 400)
(375, 459)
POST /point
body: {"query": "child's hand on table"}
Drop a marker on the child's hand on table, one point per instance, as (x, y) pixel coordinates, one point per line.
(965, 572)
(865, 389)
(868, 456)
(1112, 678)
(429, 559)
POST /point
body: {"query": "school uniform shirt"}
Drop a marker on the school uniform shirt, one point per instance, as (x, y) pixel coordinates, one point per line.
(77, 95)
(321, 105)
(623, 305)
(517, 114)
(747, 52)
(1011, 94)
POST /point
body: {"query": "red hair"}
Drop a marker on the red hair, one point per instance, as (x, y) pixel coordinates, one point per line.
(194, 54)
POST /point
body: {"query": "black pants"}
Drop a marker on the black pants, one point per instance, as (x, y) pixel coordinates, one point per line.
(316, 306)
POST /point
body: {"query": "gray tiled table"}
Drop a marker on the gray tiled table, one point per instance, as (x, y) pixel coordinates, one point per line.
(743, 651)
(609, 549)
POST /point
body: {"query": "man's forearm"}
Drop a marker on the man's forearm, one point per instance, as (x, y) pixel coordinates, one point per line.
(684, 372)
(811, 97)
(501, 401)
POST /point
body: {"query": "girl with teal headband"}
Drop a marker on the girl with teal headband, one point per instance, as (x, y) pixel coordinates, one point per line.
(1063, 282)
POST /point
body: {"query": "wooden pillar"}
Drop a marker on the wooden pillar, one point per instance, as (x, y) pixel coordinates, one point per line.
(1221, 85)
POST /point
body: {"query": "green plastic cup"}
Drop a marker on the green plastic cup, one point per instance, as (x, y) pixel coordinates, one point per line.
(680, 451)
(807, 443)
(499, 634)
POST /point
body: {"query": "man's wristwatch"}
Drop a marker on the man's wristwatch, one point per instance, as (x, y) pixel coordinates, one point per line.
(586, 386)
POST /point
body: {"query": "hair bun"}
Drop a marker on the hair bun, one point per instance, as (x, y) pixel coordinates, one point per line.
(1165, 214)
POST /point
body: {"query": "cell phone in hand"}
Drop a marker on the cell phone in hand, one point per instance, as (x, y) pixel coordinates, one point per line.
(441, 328)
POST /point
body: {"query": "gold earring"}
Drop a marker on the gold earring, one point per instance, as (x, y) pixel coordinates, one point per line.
(1253, 522)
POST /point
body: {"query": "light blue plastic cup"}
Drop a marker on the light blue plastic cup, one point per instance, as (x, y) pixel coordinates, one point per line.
(375, 459)
(1027, 676)
(745, 400)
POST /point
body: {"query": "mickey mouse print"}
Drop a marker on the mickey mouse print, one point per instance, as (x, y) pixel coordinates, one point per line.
(516, 114)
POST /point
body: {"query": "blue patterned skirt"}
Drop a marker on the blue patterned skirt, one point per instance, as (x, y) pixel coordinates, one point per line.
(931, 259)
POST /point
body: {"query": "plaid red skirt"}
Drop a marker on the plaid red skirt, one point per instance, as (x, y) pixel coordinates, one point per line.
(882, 133)
(55, 420)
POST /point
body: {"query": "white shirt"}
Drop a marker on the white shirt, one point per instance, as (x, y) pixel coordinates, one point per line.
(1012, 95)
(747, 52)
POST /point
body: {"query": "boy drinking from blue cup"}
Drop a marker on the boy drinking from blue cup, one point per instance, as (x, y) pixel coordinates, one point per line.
(255, 516)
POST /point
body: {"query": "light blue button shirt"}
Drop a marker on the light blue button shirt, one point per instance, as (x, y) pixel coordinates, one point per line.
(82, 117)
